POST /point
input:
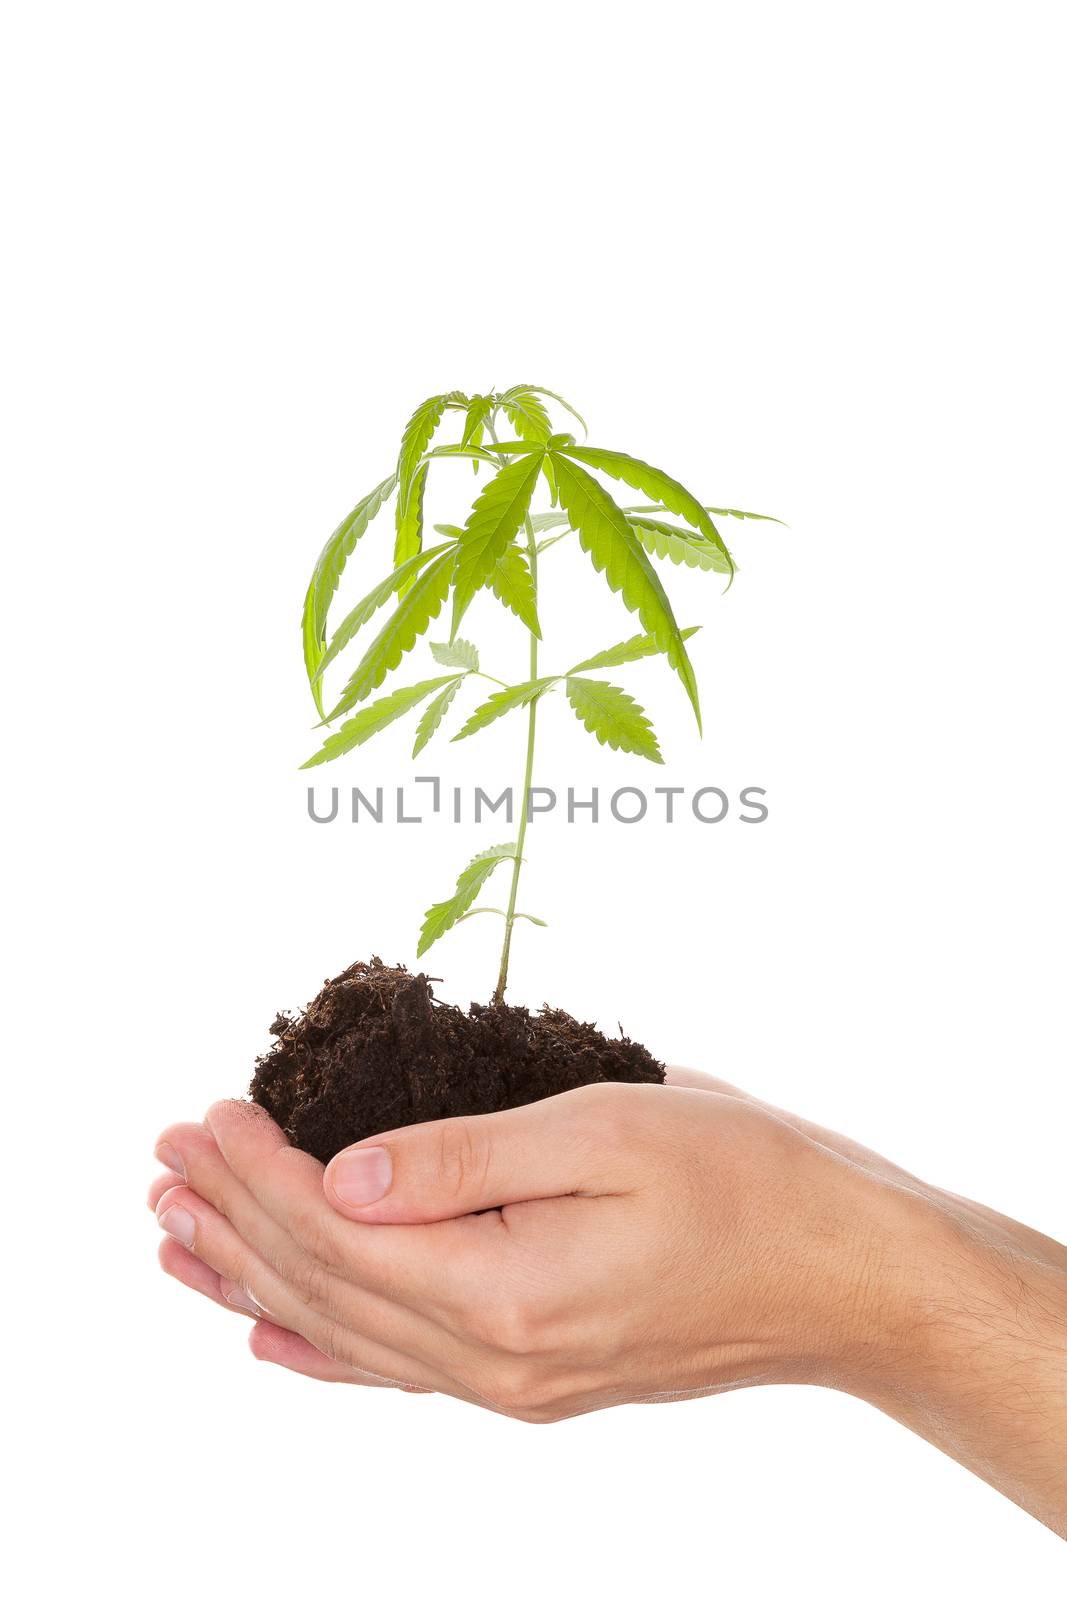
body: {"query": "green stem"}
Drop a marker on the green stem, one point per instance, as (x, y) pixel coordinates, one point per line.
(527, 778)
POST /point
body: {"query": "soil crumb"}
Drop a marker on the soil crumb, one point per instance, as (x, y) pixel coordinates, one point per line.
(374, 1050)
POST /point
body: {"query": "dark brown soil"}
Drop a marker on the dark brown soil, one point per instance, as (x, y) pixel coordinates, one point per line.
(374, 1050)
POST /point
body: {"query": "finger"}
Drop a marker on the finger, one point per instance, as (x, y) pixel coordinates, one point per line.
(565, 1145)
(278, 1345)
(208, 1174)
(300, 1237)
(200, 1228)
(177, 1262)
(285, 1349)
(159, 1187)
(421, 1268)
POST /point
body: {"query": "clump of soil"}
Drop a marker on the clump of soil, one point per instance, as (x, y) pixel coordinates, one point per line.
(374, 1050)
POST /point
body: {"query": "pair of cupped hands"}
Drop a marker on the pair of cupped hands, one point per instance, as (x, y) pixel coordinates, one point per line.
(615, 1243)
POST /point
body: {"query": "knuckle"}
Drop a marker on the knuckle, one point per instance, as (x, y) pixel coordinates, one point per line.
(606, 1112)
(313, 1230)
(462, 1159)
(525, 1392)
(513, 1389)
(309, 1280)
(510, 1324)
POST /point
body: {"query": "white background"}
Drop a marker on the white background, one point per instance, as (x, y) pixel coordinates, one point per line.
(806, 258)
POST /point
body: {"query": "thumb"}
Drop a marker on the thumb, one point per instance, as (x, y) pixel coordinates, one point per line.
(434, 1170)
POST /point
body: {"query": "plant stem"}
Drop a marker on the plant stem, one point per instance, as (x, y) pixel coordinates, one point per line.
(531, 734)
(527, 779)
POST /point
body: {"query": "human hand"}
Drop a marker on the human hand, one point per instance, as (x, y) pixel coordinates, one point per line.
(650, 1244)
(617, 1197)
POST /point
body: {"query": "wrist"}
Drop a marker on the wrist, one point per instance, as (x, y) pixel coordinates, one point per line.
(969, 1346)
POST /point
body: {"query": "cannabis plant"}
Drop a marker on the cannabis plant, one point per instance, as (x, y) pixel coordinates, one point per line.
(500, 547)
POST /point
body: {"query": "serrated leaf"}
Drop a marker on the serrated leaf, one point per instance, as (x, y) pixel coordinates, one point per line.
(495, 911)
(744, 516)
(472, 452)
(512, 447)
(496, 517)
(678, 545)
(422, 425)
(372, 719)
(446, 913)
(542, 521)
(457, 653)
(546, 544)
(479, 408)
(533, 389)
(510, 581)
(409, 522)
(613, 717)
(642, 644)
(413, 615)
(327, 574)
(527, 415)
(531, 422)
(396, 581)
(614, 549)
(432, 716)
(655, 482)
(499, 704)
(714, 511)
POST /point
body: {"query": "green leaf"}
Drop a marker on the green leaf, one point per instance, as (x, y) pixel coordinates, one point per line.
(471, 452)
(642, 644)
(499, 704)
(495, 911)
(458, 653)
(327, 574)
(431, 717)
(546, 544)
(527, 415)
(613, 717)
(478, 408)
(409, 522)
(422, 425)
(513, 447)
(510, 581)
(496, 517)
(715, 511)
(744, 516)
(396, 581)
(542, 521)
(678, 545)
(526, 389)
(372, 719)
(413, 615)
(614, 550)
(655, 482)
(531, 422)
(446, 913)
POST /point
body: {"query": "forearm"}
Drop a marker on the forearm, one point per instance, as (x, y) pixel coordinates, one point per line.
(981, 1368)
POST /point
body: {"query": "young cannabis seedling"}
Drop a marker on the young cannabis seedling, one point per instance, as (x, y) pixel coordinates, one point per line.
(500, 547)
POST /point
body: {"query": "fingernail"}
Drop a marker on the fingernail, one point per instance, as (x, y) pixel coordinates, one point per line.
(170, 1158)
(242, 1301)
(359, 1177)
(179, 1224)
